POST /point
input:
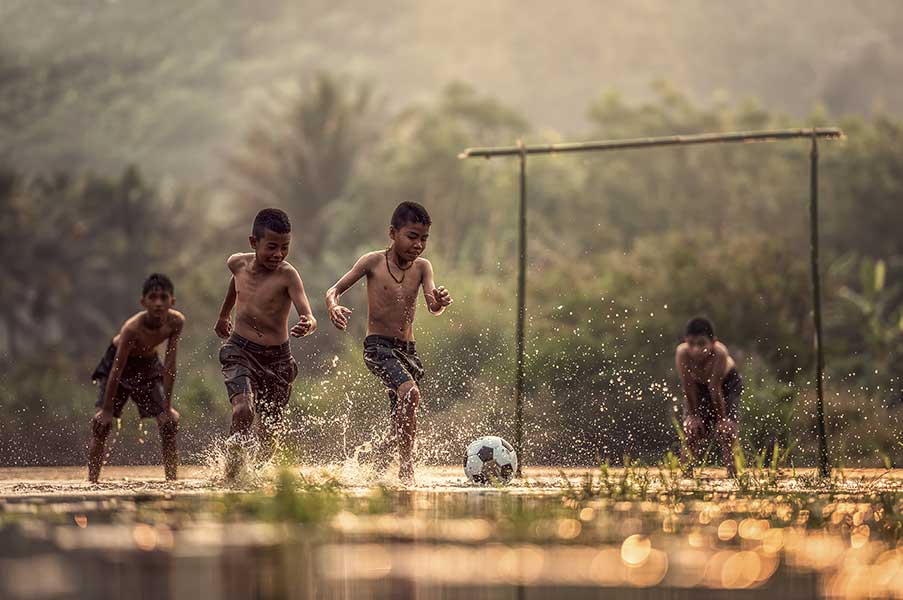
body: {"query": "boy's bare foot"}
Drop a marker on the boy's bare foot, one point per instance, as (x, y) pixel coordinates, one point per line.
(406, 474)
(235, 457)
(381, 455)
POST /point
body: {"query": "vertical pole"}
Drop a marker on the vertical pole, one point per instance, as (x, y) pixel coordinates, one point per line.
(823, 463)
(521, 310)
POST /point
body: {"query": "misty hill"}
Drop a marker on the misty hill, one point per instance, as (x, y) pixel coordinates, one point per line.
(172, 85)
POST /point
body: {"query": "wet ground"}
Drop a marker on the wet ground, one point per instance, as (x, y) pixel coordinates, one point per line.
(340, 532)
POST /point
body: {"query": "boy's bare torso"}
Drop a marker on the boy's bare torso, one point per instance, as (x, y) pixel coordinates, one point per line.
(702, 372)
(262, 300)
(146, 338)
(391, 305)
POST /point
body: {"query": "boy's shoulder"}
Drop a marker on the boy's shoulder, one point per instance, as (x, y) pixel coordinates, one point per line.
(287, 269)
(372, 259)
(681, 349)
(239, 260)
(132, 324)
(176, 318)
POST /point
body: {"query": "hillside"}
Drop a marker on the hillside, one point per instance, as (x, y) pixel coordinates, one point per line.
(172, 85)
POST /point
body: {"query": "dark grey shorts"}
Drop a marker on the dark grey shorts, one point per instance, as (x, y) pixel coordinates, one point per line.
(394, 361)
(265, 373)
(141, 380)
(731, 389)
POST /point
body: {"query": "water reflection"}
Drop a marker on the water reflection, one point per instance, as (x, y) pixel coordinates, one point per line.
(442, 541)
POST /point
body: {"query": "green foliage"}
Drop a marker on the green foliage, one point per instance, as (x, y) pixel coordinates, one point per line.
(293, 499)
(624, 248)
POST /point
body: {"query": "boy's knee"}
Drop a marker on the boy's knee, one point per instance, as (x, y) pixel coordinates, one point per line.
(241, 408)
(100, 434)
(169, 427)
(409, 393)
(100, 431)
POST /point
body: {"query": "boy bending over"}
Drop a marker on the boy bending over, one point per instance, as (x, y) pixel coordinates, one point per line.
(131, 369)
(712, 389)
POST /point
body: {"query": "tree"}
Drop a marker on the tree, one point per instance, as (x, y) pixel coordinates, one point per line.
(301, 155)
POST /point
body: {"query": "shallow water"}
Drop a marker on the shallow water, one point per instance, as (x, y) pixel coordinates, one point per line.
(343, 532)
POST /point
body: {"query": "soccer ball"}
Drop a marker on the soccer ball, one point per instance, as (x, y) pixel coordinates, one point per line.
(489, 459)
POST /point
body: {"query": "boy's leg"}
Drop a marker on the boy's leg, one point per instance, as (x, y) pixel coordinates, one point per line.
(168, 424)
(269, 428)
(242, 413)
(728, 430)
(694, 431)
(405, 426)
(242, 420)
(726, 434)
(384, 448)
(96, 447)
(150, 399)
(97, 443)
(274, 394)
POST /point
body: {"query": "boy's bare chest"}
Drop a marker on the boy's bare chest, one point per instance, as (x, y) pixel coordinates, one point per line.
(383, 288)
(260, 290)
(701, 373)
(146, 340)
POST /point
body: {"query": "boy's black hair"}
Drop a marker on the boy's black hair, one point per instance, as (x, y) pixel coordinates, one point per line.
(410, 212)
(157, 281)
(701, 326)
(273, 219)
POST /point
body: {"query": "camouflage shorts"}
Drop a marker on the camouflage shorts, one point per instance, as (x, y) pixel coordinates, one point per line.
(394, 361)
(265, 373)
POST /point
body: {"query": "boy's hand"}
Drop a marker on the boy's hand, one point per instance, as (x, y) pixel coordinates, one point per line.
(304, 326)
(694, 427)
(726, 430)
(169, 415)
(442, 297)
(102, 422)
(223, 327)
(339, 316)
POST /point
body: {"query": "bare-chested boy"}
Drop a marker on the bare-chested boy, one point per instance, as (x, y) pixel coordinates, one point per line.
(394, 277)
(257, 362)
(131, 369)
(712, 389)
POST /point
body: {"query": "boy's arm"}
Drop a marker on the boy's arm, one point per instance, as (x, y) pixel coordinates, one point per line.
(691, 394)
(307, 324)
(223, 325)
(437, 298)
(169, 363)
(104, 416)
(339, 314)
(715, 381)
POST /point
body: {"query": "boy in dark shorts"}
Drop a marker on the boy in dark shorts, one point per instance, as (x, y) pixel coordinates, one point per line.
(257, 362)
(131, 369)
(394, 277)
(712, 389)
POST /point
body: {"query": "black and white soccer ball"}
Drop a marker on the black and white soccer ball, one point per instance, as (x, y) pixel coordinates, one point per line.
(489, 459)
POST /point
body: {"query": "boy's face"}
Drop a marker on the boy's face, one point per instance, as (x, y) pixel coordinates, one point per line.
(700, 346)
(271, 249)
(157, 302)
(410, 239)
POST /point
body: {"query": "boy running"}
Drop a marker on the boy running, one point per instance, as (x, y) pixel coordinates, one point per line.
(257, 362)
(131, 369)
(712, 389)
(394, 277)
